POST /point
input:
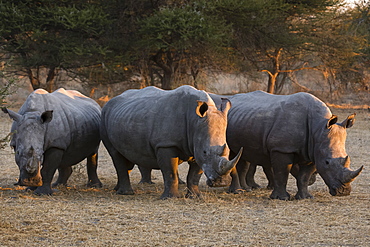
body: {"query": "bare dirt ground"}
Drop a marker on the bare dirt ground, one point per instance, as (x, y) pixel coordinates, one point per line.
(77, 216)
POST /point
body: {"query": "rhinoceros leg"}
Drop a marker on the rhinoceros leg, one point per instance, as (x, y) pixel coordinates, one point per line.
(303, 178)
(267, 169)
(295, 171)
(63, 175)
(52, 159)
(168, 161)
(281, 164)
(194, 174)
(238, 176)
(312, 178)
(250, 176)
(235, 186)
(122, 166)
(243, 168)
(146, 175)
(92, 166)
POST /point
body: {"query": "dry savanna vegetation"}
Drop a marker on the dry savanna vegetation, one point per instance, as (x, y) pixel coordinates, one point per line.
(79, 216)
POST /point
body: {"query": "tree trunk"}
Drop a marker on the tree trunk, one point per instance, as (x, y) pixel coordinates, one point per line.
(166, 80)
(164, 60)
(271, 83)
(34, 80)
(194, 73)
(50, 80)
(275, 71)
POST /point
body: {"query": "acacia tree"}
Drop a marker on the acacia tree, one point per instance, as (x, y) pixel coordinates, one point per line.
(167, 39)
(52, 34)
(358, 22)
(180, 38)
(279, 37)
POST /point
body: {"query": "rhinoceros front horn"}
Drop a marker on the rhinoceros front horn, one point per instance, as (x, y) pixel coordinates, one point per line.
(350, 175)
(228, 165)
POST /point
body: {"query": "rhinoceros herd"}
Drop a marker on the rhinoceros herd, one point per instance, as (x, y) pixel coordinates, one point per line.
(222, 137)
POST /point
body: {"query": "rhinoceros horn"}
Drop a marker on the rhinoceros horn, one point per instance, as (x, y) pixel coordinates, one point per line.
(350, 175)
(13, 115)
(227, 165)
(347, 162)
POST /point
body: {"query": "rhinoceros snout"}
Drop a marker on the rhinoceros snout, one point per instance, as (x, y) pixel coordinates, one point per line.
(221, 181)
(33, 182)
(344, 190)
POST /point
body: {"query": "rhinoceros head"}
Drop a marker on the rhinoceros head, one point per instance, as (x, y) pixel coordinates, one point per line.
(28, 143)
(210, 149)
(332, 161)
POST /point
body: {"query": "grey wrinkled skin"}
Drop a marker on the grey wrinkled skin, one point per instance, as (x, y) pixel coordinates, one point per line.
(159, 129)
(281, 130)
(55, 131)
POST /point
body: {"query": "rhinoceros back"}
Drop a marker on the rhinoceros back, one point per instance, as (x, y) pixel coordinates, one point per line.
(138, 122)
(75, 124)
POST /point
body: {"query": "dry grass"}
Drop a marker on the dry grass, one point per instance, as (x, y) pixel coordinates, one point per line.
(77, 216)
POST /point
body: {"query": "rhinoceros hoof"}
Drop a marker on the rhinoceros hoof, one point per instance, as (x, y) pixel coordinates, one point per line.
(43, 191)
(91, 184)
(303, 196)
(284, 197)
(247, 189)
(125, 192)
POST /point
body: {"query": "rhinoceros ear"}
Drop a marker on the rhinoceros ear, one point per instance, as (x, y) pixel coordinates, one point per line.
(332, 121)
(201, 109)
(348, 123)
(225, 105)
(46, 116)
(13, 115)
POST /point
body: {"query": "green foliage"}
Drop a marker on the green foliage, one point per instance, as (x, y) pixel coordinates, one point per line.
(360, 28)
(181, 39)
(52, 33)
(169, 40)
(277, 36)
(182, 28)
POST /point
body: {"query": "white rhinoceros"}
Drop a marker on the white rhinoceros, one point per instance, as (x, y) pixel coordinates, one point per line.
(55, 131)
(281, 130)
(158, 129)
